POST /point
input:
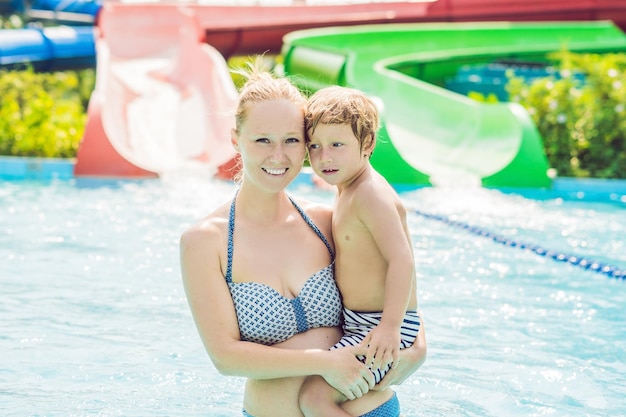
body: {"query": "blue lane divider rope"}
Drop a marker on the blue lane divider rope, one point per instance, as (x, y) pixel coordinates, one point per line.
(611, 271)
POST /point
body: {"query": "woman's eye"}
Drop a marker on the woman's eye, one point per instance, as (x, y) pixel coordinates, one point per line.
(263, 140)
(293, 140)
(313, 146)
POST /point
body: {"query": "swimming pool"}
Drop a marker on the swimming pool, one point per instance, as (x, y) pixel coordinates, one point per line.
(94, 320)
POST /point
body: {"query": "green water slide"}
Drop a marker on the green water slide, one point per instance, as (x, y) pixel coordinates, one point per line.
(430, 135)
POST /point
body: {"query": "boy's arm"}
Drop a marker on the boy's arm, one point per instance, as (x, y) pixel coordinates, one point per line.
(384, 220)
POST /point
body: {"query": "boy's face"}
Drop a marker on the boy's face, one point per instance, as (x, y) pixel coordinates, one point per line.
(335, 153)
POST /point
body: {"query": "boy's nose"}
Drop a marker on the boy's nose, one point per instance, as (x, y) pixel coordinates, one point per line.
(324, 155)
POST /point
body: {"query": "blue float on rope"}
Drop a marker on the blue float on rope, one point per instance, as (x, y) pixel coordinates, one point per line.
(611, 271)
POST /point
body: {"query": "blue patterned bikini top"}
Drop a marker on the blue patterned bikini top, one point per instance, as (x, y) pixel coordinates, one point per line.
(265, 316)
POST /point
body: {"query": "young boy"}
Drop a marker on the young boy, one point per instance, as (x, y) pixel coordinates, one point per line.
(374, 265)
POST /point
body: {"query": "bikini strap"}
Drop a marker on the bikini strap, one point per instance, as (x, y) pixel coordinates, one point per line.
(313, 226)
(231, 231)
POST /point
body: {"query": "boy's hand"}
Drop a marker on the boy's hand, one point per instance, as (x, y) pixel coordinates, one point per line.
(383, 347)
(410, 361)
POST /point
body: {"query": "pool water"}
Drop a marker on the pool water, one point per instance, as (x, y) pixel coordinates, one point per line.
(94, 320)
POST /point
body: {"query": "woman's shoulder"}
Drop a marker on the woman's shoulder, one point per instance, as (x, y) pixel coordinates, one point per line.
(319, 213)
(314, 209)
(207, 231)
(201, 249)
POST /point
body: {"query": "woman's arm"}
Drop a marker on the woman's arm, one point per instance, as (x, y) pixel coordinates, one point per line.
(214, 314)
(411, 359)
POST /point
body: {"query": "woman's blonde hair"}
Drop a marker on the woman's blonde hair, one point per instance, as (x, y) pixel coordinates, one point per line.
(261, 85)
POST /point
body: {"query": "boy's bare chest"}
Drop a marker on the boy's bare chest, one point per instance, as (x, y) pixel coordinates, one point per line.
(348, 229)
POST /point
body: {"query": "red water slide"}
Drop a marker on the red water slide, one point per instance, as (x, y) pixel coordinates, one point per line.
(527, 10)
(163, 98)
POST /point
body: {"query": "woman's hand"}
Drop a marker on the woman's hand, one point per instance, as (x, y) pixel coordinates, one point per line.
(347, 374)
(410, 361)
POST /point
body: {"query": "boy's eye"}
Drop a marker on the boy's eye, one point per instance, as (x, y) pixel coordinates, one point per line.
(263, 140)
(313, 146)
(293, 140)
(337, 144)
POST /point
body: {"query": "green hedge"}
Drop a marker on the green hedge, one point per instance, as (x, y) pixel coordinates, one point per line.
(11, 21)
(582, 122)
(43, 114)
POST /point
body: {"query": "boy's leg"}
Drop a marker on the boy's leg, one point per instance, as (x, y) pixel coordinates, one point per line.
(318, 399)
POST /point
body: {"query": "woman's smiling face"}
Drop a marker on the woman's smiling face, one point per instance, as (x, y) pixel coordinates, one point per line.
(271, 143)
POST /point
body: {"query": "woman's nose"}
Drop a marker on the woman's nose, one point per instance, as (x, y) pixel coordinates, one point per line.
(278, 154)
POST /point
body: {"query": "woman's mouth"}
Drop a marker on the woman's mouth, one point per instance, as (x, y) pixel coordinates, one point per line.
(275, 171)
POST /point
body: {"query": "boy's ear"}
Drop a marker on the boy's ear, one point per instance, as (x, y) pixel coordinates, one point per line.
(233, 139)
(369, 145)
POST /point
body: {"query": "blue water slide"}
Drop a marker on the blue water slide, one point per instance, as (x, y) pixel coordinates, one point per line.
(48, 49)
(11, 6)
(74, 12)
(77, 11)
(90, 7)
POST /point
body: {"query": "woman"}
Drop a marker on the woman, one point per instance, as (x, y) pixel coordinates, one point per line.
(260, 284)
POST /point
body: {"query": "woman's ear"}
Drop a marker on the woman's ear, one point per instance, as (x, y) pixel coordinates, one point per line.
(233, 139)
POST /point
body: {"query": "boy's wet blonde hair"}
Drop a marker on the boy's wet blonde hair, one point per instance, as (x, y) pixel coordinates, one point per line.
(343, 105)
(261, 85)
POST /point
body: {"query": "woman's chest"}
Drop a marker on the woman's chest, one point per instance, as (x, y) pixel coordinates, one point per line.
(283, 261)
